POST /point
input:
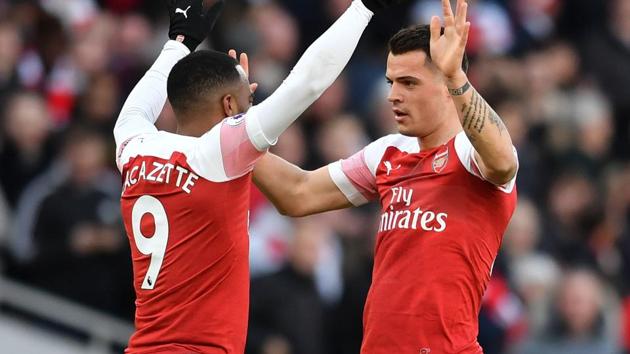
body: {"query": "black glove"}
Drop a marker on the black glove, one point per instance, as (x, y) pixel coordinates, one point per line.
(190, 22)
(377, 5)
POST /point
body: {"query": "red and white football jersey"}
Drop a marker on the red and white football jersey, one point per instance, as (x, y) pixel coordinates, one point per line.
(185, 206)
(441, 227)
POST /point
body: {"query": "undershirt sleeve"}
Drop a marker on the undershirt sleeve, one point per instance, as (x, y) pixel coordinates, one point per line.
(146, 101)
(318, 68)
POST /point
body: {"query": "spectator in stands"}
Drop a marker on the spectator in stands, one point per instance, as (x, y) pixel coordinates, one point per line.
(27, 151)
(286, 310)
(10, 50)
(606, 55)
(81, 252)
(98, 106)
(574, 211)
(580, 325)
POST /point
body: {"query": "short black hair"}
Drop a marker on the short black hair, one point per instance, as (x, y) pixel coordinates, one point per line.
(197, 75)
(414, 38)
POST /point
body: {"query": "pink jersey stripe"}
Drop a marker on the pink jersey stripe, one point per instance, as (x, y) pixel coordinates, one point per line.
(360, 175)
(239, 154)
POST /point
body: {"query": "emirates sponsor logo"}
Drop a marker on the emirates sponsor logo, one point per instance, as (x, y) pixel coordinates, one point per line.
(407, 218)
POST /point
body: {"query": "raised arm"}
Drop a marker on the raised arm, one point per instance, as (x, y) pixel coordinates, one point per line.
(484, 128)
(144, 104)
(296, 192)
(341, 184)
(316, 70)
(146, 101)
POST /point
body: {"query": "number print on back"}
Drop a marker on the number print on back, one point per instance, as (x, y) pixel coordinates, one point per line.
(155, 245)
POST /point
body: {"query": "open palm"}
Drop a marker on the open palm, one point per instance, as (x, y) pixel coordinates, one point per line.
(447, 49)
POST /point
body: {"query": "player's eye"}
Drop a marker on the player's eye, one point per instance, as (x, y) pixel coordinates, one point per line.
(409, 83)
(389, 83)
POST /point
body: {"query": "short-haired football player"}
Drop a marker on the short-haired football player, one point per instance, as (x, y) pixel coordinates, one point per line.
(185, 198)
(446, 187)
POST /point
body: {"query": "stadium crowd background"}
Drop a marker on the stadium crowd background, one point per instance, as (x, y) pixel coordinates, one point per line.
(557, 72)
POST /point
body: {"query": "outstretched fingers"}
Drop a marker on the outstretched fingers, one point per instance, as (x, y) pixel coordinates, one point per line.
(436, 28)
(464, 37)
(460, 16)
(447, 11)
(244, 61)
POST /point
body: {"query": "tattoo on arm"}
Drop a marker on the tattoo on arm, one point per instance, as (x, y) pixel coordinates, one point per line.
(476, 112)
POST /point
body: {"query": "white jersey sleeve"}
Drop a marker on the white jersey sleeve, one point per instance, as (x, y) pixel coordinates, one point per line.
(316, 70)
(146, 100)
(222, 154)
(466, 154)
(228, 148)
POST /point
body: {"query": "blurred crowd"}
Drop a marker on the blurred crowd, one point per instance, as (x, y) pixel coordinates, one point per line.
(556, 71)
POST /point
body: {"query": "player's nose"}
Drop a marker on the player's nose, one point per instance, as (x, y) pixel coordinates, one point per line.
(394, 95)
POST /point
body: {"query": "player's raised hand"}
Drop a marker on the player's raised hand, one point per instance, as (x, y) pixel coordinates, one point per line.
(378, 5)
(191, 21)
(244, 62)
(447, 49)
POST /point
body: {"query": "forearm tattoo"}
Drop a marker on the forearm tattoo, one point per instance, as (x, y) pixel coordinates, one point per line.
(476, 112)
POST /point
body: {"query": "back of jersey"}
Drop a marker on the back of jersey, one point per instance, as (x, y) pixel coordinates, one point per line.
(187, 227)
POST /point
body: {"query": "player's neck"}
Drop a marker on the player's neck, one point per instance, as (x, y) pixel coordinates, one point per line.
(441, 135)
(196, 126)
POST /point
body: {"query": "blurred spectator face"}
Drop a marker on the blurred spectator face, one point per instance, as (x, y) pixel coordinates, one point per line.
(100, 102)
(331, 102)
(51, 39)
(291, 146)
(278, 32)
(341, 138)
(513, 115)
(10, 48)
(579, 302)
(539, 75)
(595, 127)
(306, 244)
(535, 277)
(27, 122)
(523, 231)
(134, 33)
(564, 63)
(618, 191)
(571, 196)
(86, 153)
(418, 94)
(93, 47)
(620, 13)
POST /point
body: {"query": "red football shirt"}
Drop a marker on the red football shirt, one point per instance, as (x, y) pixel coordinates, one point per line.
(440, 229)
(185, 206)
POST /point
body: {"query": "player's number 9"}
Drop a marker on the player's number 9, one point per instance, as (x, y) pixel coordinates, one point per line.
(154, 246)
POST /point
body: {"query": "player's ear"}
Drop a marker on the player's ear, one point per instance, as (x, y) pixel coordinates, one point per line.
(229, 105)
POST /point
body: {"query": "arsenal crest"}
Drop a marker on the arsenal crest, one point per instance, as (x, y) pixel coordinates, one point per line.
(440, 160)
